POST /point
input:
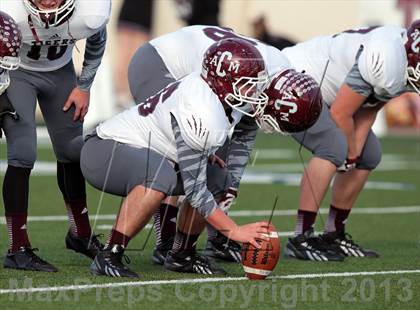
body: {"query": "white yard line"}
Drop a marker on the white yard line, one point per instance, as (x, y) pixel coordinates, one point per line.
(200, 280)
(243, 213)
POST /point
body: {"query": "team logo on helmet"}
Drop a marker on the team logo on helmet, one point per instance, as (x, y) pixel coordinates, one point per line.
(294, 103)
(235, 71)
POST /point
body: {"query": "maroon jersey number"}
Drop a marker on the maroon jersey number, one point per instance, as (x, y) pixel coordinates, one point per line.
(150, 104)
(219, 33)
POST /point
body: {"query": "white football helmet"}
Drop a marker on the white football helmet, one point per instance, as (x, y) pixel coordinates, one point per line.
(50, 17)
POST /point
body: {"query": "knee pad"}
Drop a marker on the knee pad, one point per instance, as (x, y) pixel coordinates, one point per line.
(21, 152)
(68, 150)
(371, 154)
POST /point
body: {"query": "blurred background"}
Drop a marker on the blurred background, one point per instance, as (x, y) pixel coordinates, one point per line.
(277, 22)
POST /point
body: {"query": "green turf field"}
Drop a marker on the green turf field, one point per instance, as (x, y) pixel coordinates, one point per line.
(392, 227)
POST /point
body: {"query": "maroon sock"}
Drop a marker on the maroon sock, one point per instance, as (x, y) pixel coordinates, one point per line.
(78, 218)
(16, 228)
(115, 237)
(337, 219)
(184, 242)
(305, 221)
(165, 223)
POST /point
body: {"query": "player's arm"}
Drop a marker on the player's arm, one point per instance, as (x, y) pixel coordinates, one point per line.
(242, 142)
(345, 105)
(193, 168)
(94, 51)
(80, 96)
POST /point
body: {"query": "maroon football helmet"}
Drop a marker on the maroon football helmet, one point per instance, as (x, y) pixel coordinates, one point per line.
(50, 13)
(294, 103)
(10, 42)
(235, 71)
(412, 46)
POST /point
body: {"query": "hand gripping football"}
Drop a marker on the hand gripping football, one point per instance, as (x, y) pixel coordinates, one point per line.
(259, 263)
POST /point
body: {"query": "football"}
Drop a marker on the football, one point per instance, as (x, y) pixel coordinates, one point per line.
(259, 263)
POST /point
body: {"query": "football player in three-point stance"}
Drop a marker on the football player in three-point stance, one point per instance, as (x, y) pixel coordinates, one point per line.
(50, 29)
(160, 148)
(365, 68)
(174, 55)
(10, 43)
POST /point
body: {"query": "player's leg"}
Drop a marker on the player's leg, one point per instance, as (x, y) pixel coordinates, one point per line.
(183, 256)
(328, 145)
(67, 141)
(21, 153)
(147, 74)
(346, 189)
(143, 176)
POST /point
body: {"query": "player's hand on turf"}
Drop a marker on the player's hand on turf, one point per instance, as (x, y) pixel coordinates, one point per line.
(249, 233)
(214, 159)
(80, 99)
(349, 164)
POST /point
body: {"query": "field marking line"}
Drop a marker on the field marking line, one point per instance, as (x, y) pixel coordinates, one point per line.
(202, 280)
(242, 213)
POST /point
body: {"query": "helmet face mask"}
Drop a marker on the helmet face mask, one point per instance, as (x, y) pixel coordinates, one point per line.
(4, 80)
(50, 17)
(412, 47)
(9, 62)
(248, 95)
(235, 71)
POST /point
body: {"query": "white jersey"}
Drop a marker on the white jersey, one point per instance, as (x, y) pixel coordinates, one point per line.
(50, 49)
(197, 110)
(370, 60)
(182, 51)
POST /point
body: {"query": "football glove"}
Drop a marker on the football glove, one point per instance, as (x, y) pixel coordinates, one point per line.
(349, 164)
(228, 199)
(6, 108)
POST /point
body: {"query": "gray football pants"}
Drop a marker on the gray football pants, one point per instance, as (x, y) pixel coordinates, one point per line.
(52, 90)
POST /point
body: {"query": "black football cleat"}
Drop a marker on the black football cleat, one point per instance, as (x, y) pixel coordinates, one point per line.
(160, 252)
(221, 247)
(26, 259)
(307, 246)
(345, 243)
(192, 262)
(108, 262)
(86, 246)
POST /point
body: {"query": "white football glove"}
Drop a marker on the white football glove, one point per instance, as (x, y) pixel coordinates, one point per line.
(228, 199)
(349, 164)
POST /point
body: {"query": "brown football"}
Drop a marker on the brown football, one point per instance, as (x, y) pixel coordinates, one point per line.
(258, 263)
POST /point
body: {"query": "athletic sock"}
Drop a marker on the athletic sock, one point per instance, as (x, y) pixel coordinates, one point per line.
(17, 230)
(115, 237)
(212, 233)
(73, 188)
(78, 218)
(305, 221)
(184, 242)
(165, 223)
(337, 219)
(15, 198)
